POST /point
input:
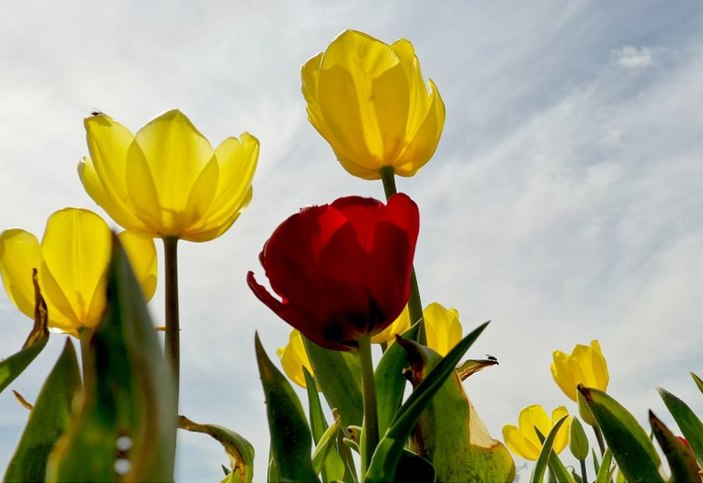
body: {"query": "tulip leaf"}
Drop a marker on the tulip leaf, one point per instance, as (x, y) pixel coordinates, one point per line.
(13, 366)
(385, 458)
(291, 442)
(604, 472)
(449, 432)
(688, 422)
(48, 419)
(543, 458)
(633, 450)
(558, 469)
(698, 381)
(390, 381)
(126, 419)
(318, 423)
(682, 462)
(238, 449)
(339, 375)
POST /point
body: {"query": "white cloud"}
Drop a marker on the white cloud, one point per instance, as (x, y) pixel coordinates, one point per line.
(632, 58)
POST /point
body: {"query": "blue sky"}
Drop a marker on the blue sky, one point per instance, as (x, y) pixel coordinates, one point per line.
(564, 202)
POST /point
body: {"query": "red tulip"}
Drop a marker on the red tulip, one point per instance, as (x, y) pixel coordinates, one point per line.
(342, 270)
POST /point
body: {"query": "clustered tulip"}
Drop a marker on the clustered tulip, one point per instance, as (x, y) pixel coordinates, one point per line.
(370, 101)
(342, 270)
(71, 264)
(167, 181)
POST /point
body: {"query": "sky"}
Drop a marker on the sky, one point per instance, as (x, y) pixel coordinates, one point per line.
(564, 201)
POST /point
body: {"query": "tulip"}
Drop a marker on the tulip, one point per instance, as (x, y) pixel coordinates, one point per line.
(71, 264)
(523, 440)
(585, 365)
(167, 181)
(441, 324)
(294, 358)
(370, 101)
(342, 270)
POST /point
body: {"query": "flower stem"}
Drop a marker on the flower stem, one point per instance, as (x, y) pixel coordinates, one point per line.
(599, 438)
(414, 303)
(370, 427)
(584, 475)
(172, 319)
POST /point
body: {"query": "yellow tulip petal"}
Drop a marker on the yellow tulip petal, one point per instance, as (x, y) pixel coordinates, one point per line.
(534, 417)
(294, 358)
(20, 252)
(399, 325)
(76, 249)
(176, 153)
(562, 437)
(144, 196)
(142, 256)
(600, 367)
(442, 327)
(518, 444)
(108, 143)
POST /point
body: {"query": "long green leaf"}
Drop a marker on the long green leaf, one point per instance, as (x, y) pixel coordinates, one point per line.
(125, 425)
(48, 419)
(13, 366)
(543, 458)
(698, 381)
(339, 376)
(390, 381)
(688, 422)
(238, 449)
(633, 450)
(385, 458)
(318, 423)
(603, 473)
(681, 460)
(291, 443)
(559, 470)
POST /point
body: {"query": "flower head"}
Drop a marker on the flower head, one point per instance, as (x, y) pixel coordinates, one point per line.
(441, 325)
(167, 181)
(523, 440)
(342, 270)
(585, 365)
(370, 101)
(294, 358)
(71, 264)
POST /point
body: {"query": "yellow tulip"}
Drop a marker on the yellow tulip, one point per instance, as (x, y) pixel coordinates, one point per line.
(370, 101)
(523, 440)
(167, 181)
(294, 358)
(71, 261)
(442, 327)
(585, 365)
(399, 325)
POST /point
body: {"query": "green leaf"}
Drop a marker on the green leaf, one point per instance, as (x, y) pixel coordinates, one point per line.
(125, 425)
(318, 423)
(48, 419)
(558, 469)
(13, 366)
(688, 422)
(604, 472)
(238, 449)
(633, 451)
(390, 381)
(291, 443)
(699, 381)
(543, 458)
(385, 458)
(681, 460)
(339, 376)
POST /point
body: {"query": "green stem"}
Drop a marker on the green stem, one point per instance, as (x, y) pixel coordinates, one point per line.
(584, 476)
(370, 427)
(414, 303)
(172, 319)
(599, 438)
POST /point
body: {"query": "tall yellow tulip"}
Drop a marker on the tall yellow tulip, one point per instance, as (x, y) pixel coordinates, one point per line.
(523, 440)
(71, 262)
(585, 365)
(370, 101)
(167, 181)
